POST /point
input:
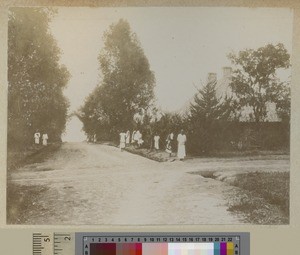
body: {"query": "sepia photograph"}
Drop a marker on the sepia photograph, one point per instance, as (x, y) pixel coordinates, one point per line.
(148, 115)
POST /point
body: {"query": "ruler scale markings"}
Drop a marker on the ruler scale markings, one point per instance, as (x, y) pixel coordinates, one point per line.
(42, 243)
(64, 243)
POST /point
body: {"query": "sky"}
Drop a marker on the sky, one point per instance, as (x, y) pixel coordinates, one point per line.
(182, 44)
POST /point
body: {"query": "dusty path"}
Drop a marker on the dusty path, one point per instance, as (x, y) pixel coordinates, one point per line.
(98, 184)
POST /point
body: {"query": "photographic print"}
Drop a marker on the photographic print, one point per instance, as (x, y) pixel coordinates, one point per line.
(148, 115)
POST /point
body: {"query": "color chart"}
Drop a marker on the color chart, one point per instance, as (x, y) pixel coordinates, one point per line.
(165, 244)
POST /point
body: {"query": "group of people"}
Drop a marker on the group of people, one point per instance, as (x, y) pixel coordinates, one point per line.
(170, 144)
(136, 140)
(38, 137)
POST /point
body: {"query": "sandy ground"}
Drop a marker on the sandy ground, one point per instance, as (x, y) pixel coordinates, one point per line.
(98, 184)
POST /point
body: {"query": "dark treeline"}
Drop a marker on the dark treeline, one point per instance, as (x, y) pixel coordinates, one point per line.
(124, 100)
(126, 90)
(35, 78)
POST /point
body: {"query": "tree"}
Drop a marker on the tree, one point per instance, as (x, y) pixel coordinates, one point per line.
(207, 106)
(207, 120)
(254, 81)
(283, 102)
(35, 78)
(127, 82)
(94, 118)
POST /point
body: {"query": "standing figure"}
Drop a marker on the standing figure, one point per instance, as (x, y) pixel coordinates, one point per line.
(169, 143)
(156, 142)
(37, 136)
(133, 137)
(122, 140)
(181, 139)
(45, 138)
(172, 141)
(128, 137)
(139, 138)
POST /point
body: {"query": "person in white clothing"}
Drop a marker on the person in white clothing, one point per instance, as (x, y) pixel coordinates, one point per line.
(45, 138)
(139, 138)
(170, 143)
(128, 137)
(181, 139)
(156, 142)
(37, 136)
(171, 136)
(122, 140)
(136, 136)
(133, 137)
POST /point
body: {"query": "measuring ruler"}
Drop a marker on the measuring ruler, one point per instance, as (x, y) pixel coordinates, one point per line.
(53, 244)
(85, 243)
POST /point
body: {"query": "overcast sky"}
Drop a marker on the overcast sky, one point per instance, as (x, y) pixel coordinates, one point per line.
(182, 44)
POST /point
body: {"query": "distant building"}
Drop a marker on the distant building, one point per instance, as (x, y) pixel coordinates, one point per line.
(223, 89)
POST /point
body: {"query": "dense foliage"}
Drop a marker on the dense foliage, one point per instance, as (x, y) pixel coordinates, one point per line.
(126, 89)
(209, 116)
(255, 82)
(124, 98)
(35, 77)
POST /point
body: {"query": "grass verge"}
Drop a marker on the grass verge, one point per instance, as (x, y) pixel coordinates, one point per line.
(159, 156)
(17, 158)
(22, 200)
(263, 197)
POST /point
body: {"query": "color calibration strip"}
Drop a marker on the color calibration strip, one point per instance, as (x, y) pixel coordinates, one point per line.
(164, 243)
(214, 248)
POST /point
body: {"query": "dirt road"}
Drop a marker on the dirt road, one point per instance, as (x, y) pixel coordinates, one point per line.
(98, 184)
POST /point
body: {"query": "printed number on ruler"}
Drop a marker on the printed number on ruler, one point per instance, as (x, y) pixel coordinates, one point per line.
(42, 244)
(54, 243)
(64, 244)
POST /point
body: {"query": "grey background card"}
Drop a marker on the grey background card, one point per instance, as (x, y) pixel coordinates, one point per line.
(262, 237)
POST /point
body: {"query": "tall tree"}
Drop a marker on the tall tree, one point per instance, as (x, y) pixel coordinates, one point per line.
(207, 106)
(254, 80)
(127, 81)
(35, 77)
(208, 118)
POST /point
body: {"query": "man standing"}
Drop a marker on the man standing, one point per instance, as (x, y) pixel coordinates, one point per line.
(122, 140)
(139, 138)
(127, 137)
(37, 136)
(156, 142)
(133, 135)
(45, 138)
(181, 139)
(170, 143)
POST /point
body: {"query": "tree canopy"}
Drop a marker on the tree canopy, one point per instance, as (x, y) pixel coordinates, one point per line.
(255, 82)
(207, 119)
(207, 107)
(36, 79)
(127, 84)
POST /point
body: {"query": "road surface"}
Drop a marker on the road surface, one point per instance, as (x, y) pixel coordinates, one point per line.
(98, 184)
